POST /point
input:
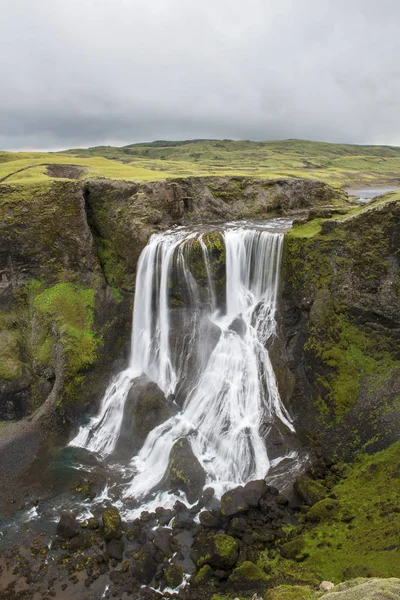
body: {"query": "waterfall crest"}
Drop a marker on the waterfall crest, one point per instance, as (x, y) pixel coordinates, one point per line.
(233, 393)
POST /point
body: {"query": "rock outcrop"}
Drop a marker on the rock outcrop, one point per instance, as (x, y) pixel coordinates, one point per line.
(337, 353)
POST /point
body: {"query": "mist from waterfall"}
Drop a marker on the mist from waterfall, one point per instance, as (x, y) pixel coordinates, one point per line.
(233, 393)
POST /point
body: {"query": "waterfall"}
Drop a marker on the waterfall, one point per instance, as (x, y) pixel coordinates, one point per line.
(233, 390)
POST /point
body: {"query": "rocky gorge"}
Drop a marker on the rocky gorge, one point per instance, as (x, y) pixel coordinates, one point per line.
(68, 258)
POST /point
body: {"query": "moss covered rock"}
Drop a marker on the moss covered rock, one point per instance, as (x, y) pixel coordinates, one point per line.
(324, 510)
(294, 549)
(309, 490)
(184, 471)
(247, 576)
(339, 374)
(112, 524)
(220, 551)
(173, 575)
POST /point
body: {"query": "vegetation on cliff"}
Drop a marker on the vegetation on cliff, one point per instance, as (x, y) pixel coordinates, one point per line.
(341, 281)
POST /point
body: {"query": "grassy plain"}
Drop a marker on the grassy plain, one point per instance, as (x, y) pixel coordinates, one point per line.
(337, 164)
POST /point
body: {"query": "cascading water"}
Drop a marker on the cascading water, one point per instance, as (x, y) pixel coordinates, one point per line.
(233, 392)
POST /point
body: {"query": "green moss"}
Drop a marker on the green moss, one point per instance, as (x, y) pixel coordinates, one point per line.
(203, 575)
(225, 545)
(292, 592)
(362, 539)
(324, 510)
(66, 311)
(173, 575)
(112, 524)
(247, 572)
(11, 366)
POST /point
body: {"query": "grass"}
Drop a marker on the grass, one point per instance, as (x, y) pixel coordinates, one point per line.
(337, 164)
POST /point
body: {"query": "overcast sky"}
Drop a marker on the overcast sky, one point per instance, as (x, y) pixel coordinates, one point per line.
(89, 72)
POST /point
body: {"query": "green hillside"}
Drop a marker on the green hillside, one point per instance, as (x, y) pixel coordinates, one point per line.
(338, 164)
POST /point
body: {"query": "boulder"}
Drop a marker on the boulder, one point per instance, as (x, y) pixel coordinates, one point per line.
(238, 326)
(324, 510)
(254, 490)
(163, 540)
(219, 551)
(184, 471)
(173, 575)
(115, 549)
(247, 576)
(144, 563)
(146, 407)
(112, 524)
(68, 526)
(294, 549)
(234, 502)
(207, 519)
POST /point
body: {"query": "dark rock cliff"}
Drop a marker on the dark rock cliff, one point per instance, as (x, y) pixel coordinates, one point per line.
(337, 355)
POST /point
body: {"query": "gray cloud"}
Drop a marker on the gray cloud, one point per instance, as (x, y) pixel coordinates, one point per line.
(85, 72)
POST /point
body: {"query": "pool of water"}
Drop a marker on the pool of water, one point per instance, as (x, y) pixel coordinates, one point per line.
(365, 195)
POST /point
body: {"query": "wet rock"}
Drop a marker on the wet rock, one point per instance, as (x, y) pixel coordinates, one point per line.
(310, 491)
(254, 490)
(163, 540)
(164, 515)
(68, 526)
(112, 524)
(238, 326)
(184, 471)
(92, 523)
(173, 575)
(207, 519)
(115, 549)
(234, 502)
(146, 407)
(220, 551)
(144, 563)
(238, 525)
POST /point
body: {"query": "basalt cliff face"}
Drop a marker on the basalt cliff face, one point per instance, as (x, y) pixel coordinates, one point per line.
(338, 348)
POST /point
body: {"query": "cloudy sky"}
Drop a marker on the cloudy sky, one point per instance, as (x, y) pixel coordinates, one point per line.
(88, 72)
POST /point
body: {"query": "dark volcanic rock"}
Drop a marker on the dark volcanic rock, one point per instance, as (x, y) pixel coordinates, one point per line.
(234, 502)
(207, 519)
(68, 526)
(184, 471)
(145, 408)
(254, 490)
(220, 551)
(144, 563)
(115, 549)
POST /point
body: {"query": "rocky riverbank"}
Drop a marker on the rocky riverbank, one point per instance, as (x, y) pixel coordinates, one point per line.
(342, 522)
